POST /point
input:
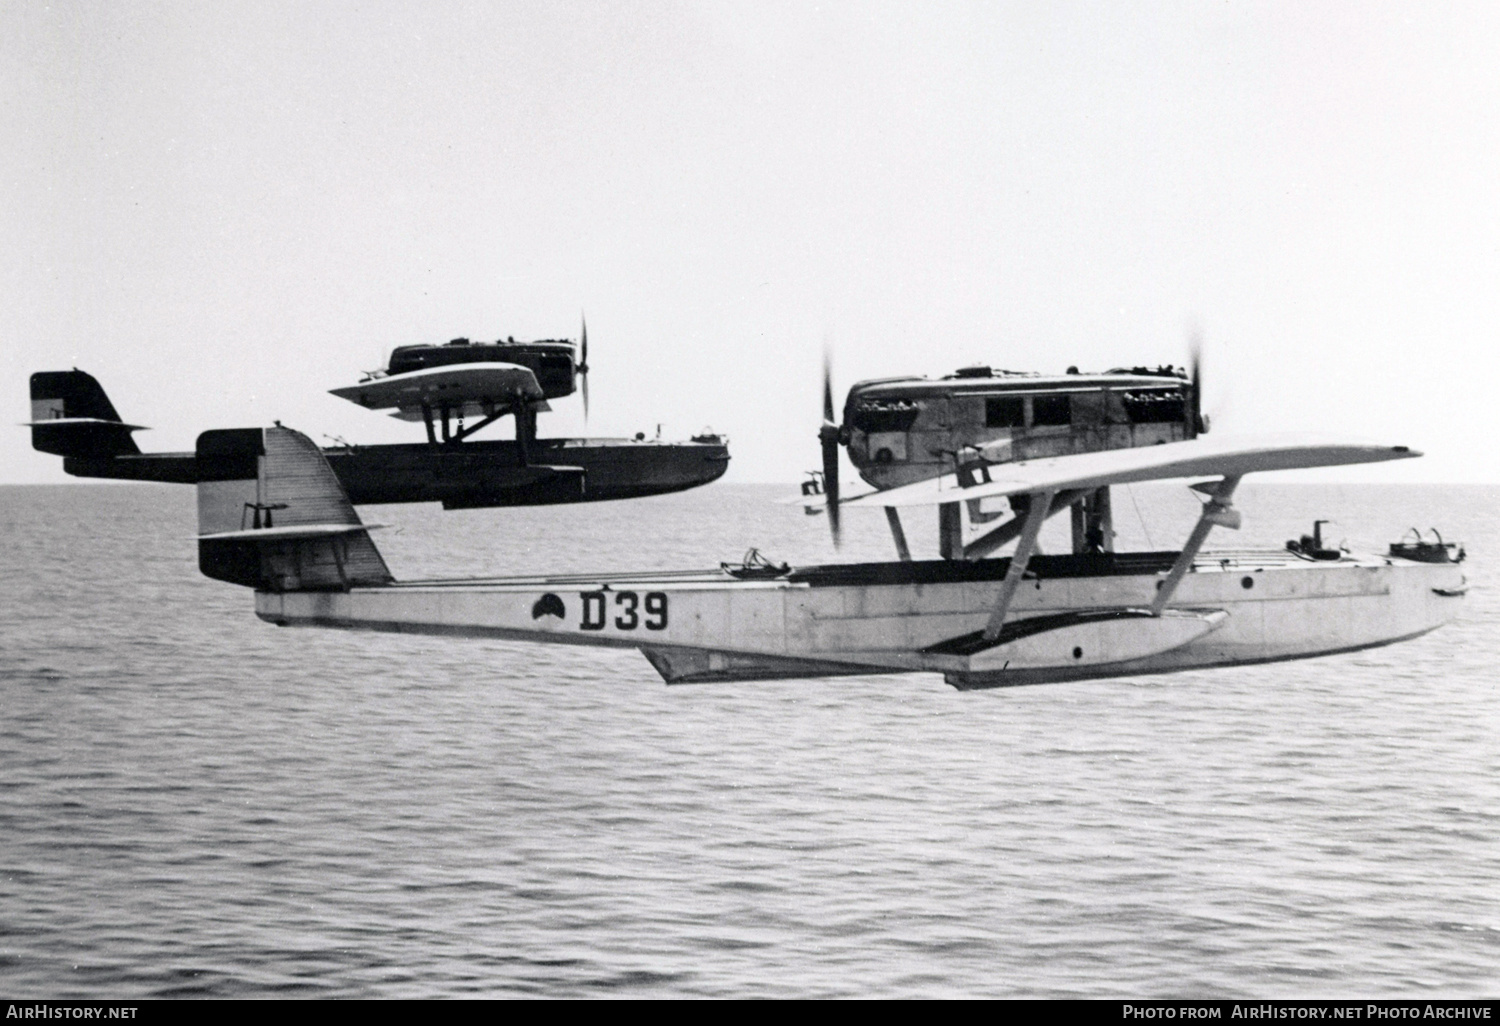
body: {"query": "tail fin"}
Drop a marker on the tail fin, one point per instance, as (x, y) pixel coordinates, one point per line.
(273, 516)
(71, 416)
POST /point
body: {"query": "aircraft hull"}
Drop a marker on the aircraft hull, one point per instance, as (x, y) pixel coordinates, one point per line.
(904, 617)
(474, 474)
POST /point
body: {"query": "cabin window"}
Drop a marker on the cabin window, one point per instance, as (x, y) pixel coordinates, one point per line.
(891, 415)
(1090, 409)
(1050, 410)
(1005, 412)
(1154, 407)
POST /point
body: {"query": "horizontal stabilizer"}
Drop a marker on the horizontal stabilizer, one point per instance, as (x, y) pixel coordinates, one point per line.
(290, 533)
(72, 421)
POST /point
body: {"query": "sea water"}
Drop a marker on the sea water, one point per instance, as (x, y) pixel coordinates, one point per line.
(196, 803)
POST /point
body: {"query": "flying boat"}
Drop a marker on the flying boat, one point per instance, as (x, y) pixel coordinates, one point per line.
(1035, 446)
(455, 390)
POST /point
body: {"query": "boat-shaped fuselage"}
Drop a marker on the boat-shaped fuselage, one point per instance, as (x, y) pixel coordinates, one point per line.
(276, 519)
(1073, 617)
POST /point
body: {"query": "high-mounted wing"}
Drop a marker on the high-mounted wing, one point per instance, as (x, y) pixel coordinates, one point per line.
(1199, 457)
(818, 500)
(297, 532)
(470, 388)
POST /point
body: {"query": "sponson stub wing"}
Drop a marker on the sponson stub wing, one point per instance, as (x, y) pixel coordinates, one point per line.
(1199, 457)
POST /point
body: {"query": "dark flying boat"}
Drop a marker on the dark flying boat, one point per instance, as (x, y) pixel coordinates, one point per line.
(455, 390)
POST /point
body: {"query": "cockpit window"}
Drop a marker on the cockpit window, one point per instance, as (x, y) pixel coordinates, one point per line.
(1050, 410)
(1005, 411)
(1161, 407)
(877, 415)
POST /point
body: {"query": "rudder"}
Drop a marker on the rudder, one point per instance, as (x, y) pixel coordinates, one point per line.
(272, 515)
(71, 416)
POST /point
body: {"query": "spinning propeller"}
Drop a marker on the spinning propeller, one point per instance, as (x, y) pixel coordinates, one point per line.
(828, 435)
(583, 366)
(1195, 363)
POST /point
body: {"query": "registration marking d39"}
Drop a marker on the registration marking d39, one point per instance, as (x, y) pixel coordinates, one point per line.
(630, 611)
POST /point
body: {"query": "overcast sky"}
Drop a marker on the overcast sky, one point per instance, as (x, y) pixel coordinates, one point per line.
(223, 210)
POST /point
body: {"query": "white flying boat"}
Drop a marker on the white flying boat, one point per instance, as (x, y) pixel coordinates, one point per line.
(277, 520)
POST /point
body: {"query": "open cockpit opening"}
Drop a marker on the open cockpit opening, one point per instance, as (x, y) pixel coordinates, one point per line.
(880, 416)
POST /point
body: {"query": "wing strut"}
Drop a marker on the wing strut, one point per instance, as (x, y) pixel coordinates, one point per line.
(1041, 508)
(1007, 532)
(465, 432)
(427, 419)
(898, 535)
(950, 531)
(1216, 511)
